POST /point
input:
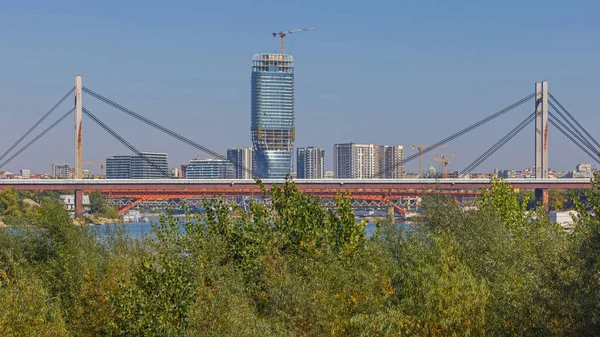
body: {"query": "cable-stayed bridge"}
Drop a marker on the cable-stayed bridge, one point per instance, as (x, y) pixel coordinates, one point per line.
(379, 192)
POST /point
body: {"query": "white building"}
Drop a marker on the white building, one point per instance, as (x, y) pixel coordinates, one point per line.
(210, 169)
(355, 161)
(60, 171)
(26, 174)
(69, 201)
(150, 165)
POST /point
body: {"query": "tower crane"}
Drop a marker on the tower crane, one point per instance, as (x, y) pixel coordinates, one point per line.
(101, 165)
(420, 148)
(282, 35)
(442, 159)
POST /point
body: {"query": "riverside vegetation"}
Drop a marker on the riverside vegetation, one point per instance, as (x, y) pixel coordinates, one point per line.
(293, 268)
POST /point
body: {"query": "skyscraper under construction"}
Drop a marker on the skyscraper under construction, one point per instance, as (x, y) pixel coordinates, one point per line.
(272, 126)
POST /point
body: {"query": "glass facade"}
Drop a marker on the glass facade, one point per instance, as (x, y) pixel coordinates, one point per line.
(136, 167)
(210, 169)
(310, 163)
(241, 158)
(118, 167)
(272, 111)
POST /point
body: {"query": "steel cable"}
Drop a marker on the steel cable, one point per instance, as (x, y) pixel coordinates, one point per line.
(551, 118)
(37, 123)
(124, 142)
(483, 157)
(573, 118)
(459, 133)
(574, 132)
(37, 138)
(159, 127)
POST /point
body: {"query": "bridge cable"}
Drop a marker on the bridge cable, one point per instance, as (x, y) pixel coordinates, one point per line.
(574, 131)
(124, 142)
(36, 138)
(459, 133)
(37, 123)
(517, 129)
(573, 118)
(573, 137)
(160, 127)
(552, 121)
(498, 144)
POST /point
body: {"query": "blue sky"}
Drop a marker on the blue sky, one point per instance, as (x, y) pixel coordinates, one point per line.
(385, 72)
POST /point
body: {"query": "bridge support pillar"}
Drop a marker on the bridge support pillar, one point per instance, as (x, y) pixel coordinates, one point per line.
(541, 197)
(78, 165)
(78, 203)
(541, 130)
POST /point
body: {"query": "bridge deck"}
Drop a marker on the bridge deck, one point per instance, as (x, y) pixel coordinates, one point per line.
(250, 185)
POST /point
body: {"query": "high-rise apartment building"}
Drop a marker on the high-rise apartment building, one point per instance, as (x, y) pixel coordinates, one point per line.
(151, 165)
(210, 169)
(310, 163)
(272, 114)
(242, 160)
(355, 161)
(391, 163)
(60, 171)
(118, 167)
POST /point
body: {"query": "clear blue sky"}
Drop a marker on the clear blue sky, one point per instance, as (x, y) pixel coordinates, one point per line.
(386, 72)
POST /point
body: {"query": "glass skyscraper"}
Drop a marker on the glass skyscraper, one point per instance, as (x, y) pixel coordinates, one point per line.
(272, 126)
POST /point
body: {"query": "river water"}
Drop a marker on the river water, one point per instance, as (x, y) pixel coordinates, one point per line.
(137, 229)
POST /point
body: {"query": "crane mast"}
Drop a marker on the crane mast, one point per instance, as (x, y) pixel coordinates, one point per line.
(442, 159)
(420, 148)
(283, 34)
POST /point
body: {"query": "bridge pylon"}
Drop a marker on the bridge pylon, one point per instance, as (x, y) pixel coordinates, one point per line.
(541, 139)
(78, 164)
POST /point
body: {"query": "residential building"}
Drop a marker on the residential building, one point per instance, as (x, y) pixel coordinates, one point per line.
(242, 160)
(355, 161)
(272, 114)
(150, 165)
(176, 173)
(584, 168)
(210, 169)
(68, 201)
(60, 171)
(391, 163)
(184, 170)
(310, 163)
(328, 175)
(26, 174)
(118, 167)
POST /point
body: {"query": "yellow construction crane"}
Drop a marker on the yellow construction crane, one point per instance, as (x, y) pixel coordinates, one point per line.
(442, 159)
(282, 35)
(101, 165)
(420, 148)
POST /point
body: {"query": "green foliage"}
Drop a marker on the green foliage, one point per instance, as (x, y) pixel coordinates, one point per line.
(586, 253)
(99, 206)
(557, 200)
(288, 266)
(9, 203)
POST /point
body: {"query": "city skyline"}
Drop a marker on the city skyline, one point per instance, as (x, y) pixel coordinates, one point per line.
(352, 98)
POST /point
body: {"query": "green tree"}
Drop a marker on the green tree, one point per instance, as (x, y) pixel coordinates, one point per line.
(586, 250)
(100, 207)
(556, 200)
(10, 203)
